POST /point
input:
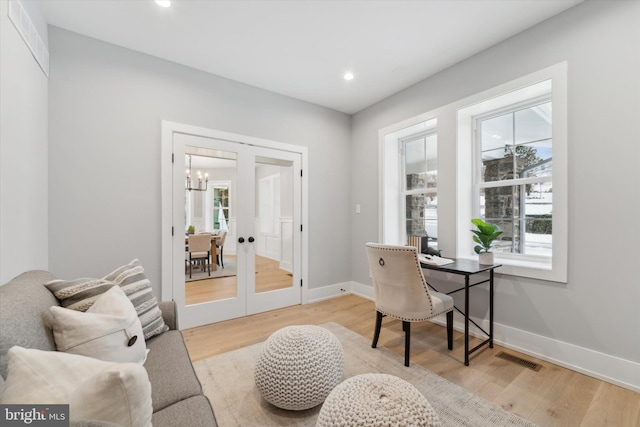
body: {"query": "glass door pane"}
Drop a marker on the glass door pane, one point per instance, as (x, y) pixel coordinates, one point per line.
(273, 224)
(208, 210)
(274, 254)
(207, 288)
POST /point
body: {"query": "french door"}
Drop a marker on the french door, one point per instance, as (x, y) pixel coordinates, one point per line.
(253, 195)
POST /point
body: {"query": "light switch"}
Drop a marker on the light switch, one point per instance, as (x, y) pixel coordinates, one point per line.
(358, 209)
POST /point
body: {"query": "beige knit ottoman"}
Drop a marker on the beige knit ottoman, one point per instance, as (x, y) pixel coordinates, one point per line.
(376, 400)
(299, 366)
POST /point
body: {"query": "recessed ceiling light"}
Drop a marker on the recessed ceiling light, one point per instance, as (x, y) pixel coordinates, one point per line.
(348, 76)
(164, 3)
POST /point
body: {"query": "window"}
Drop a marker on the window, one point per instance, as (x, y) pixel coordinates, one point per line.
(512, 171)
(220, 207)
(515, 183)
(500, 154)
(420, 194)
(409, 202)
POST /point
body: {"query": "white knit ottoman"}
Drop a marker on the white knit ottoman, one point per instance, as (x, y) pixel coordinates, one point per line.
(299, 366)
(376, 400)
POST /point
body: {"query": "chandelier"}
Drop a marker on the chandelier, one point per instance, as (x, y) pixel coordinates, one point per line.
(189, 186)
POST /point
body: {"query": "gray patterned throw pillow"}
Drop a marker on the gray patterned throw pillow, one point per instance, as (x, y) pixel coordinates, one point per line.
(80, 294)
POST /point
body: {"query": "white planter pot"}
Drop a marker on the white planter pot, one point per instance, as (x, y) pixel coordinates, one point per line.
(486, 258)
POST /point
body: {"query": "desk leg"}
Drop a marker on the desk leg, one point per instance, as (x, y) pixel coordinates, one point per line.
(466, 320)
(491, 308)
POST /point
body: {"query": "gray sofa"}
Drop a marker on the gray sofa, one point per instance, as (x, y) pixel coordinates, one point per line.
(176, 391)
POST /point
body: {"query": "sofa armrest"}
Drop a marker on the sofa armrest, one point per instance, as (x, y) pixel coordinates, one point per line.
(168, 309)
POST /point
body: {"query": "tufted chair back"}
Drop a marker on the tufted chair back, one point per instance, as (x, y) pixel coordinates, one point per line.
(401, 291)
(398, 283)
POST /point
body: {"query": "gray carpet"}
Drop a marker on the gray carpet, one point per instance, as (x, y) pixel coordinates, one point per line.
(228, 270)
(227, 380)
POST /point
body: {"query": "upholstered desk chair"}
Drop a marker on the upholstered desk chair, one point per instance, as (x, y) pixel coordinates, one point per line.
(199, 250)
(401, 291)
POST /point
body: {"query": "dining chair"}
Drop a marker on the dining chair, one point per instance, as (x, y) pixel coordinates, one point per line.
(220, 247)
(401, 292)
(199, 250)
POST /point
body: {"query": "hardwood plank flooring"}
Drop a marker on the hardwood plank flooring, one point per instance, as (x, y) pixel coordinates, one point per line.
(269, 277)
(553, 396)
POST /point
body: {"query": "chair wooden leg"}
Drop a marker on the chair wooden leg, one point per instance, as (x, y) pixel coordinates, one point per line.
(219, 259)
(376, 333)
(450, 330)
(406, 327)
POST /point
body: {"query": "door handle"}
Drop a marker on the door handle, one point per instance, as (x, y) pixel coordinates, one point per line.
(251, 240)
(241, 240)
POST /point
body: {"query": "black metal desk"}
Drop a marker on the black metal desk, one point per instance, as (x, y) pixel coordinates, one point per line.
(467, 268)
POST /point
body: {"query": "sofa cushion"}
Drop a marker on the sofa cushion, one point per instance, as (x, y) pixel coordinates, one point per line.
(23, 302)
(193, 412)
(170, 371)
(95, 390)
(109, 330)
(80, 294)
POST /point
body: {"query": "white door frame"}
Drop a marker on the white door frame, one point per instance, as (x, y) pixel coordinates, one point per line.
(169, 129)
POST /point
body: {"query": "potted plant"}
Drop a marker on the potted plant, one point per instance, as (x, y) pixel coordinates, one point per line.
(484, 235)
(191, 229)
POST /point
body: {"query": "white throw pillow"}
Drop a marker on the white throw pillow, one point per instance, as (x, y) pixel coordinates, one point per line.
(118, 393)
(109, 330)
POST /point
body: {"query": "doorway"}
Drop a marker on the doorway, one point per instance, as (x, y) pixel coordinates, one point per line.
(247, 194)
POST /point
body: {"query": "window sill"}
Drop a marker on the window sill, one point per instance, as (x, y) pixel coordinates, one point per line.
(531, 269)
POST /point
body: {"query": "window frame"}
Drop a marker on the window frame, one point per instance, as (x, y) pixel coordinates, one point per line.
(506, 98)
(479, 184)
(391, 188)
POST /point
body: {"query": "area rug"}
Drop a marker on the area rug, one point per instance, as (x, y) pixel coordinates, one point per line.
(228, 382)
(228, 270)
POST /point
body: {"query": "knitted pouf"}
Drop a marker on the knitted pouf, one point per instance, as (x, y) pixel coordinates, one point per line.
(299, 366)
(376, 400)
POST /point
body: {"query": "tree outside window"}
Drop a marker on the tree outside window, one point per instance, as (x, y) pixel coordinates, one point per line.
(220, 208)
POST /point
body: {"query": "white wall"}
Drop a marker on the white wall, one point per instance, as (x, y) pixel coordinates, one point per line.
(598, 308)
(23, 152)
(106, 107)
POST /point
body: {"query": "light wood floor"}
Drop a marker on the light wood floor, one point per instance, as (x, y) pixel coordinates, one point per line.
(269, 277)
(553, 396)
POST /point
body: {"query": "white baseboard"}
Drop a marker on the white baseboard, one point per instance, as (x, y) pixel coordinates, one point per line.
(612, 369)
(363, 291)
(327, 292)
(605, 367)
(339, 289)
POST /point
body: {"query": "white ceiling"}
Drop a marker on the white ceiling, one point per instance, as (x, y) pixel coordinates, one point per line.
(302, 48)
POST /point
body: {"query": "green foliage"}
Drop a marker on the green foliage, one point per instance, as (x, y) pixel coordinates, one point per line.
(191, 229)
(484, 235)
(527, 156)
(539, 224)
